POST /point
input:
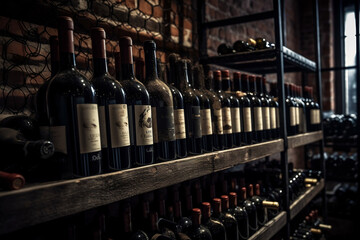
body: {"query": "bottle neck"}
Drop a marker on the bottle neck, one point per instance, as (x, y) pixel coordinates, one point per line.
(100, 66)
(260, 87)
(237, 85)
(182, 77)
(209, 83)
(253, 87)
(150, 65)
(226, 84)
(245, 85)
(127, 71)
(67, 61)
(217, 84)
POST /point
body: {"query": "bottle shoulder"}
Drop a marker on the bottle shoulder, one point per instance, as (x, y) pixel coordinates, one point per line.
(159, 92)
(134, 89)
(108, 86)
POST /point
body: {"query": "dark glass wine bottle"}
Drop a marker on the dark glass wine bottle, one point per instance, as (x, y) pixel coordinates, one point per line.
(225, 218)
(73, 111)
(302, 113)
(290, 112)
(251, 211)
(226, 110)
(11, 181)
(27, 125)
(297, 107)
(179, 115)
(216, 112)
(256, 111)
(235, 108)
(118, 66)
(274, 111)
(229, 220)
(205, 110)
(113, 112)
(215, 227)
(162, 107)
(241, 86)
(240, 215)
(192, 109)
(140, 69)
(184, 223)
(139, 108)
(127, 227)
(198, 231)
(313, 117)
(265, 107)
(40, 98)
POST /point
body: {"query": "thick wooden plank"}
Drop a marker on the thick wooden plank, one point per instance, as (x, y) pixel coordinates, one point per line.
(45, 202)
(270, 228)
(304, 199)
(230, 158)
(303, 139)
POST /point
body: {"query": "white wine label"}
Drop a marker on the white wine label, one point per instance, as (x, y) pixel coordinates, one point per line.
(315, 116)
(292, 116)
(273, 118)
(226, 114)
(44, 132)
(206, 127)
(88, 127)
(247, 119)
(235, 119)
(266, 117)
(277, 118)
(57, 134)
(119, 125)
(297, 113)
(218, 122)
(165, 124)
(179, 119)
(258, 119)
(154, 125)
(102, 120)
(143, 125)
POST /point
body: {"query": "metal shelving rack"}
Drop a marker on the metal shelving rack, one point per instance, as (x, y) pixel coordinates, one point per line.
(278, 61)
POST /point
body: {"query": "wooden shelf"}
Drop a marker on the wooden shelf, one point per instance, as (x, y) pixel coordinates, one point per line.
(270, 228)
(304, 199)
(44, 202)
(303, 139)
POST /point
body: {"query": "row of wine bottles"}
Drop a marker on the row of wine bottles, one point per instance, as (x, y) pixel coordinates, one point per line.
(340, 126)
(245, 46)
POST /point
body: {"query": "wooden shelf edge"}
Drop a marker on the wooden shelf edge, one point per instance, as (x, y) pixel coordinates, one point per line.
(304, 138)
(270, 228)
(25, 207)
(304, 199)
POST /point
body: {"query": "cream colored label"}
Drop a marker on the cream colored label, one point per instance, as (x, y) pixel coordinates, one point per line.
(273, 118)
(277, 118)
(154, 125)
(44, 132)
(206, 127)
(292, 116)
(235, 119)
(102, 120)
(119, 125)
(297, 116)
(226, 114)
(266, 117)
(57, 134)
(247, 119)
(179, 119)
(315, 116)
(258, 119)
(143, 125)
(218, 122)
(88, 127)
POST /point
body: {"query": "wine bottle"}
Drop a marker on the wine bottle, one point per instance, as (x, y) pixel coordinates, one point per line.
(162, 107)
(192, 109)
(225, 218)
(274, 111)
(198, 231)
(215, 227)
(183, 223)
(256, 111)
(73, 111)
(113, 112)
(14, 146)
(205, 110)
(235, 108)
(242, 46)
(40, 98)
(241, 86)
(224, 49)
(226, 110)
(127, 227)
(216, 112)
(313, 117)
(230, 222)
(26, 125)
(240, 215)
(290, 112)
(139, 108)
(265, 107)
(11, 181)
(118, 66)
(297, 107)
(251, 211)
(302, 110)
(179, 115)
